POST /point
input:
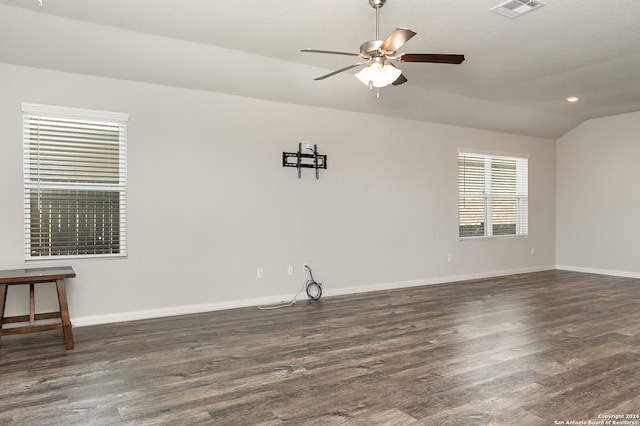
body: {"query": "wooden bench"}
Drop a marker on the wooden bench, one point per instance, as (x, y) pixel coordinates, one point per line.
(31, 277)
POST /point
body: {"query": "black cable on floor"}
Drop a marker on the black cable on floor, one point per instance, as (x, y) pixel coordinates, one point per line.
(314, 289)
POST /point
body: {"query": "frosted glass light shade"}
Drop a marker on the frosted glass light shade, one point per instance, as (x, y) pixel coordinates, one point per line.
(378, 75)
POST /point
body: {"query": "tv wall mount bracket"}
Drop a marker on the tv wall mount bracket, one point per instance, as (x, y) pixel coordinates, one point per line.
(305, 160)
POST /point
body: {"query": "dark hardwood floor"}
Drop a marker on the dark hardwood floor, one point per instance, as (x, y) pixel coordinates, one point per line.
(530, 349)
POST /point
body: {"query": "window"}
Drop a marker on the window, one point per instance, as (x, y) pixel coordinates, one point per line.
(492, 195)
(74, 182)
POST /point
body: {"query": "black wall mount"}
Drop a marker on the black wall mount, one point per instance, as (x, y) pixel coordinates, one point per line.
(302, 160)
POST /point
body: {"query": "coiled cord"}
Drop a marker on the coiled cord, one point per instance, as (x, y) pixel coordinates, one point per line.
(314, 289)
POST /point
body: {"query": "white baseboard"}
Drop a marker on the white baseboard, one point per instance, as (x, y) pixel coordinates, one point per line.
(624, 274)
(175, 310)
(272, 300)
(431, 281)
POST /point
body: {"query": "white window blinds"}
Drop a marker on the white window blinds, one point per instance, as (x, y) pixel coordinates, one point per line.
(74, 182)
(492, 195)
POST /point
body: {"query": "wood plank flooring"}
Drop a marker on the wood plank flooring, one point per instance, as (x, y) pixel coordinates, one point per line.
(530, 349)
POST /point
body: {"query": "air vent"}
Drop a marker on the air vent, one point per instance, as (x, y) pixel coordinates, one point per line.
(515, 8)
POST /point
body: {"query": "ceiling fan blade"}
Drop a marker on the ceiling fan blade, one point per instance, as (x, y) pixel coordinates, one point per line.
(431, 57)
(396, 39)
(331, 52)
(340, 70)
(400, 80)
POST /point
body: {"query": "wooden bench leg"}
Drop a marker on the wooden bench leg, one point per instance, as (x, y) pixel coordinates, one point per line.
(32, 304)
(3, 301)
(64, 314)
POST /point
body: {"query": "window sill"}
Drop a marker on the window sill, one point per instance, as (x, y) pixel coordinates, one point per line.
(494, 237)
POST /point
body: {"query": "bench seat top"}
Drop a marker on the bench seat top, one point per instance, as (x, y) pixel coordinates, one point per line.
(29, 275)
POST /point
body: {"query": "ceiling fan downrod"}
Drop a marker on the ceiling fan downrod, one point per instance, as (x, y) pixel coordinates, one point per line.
(377, 4)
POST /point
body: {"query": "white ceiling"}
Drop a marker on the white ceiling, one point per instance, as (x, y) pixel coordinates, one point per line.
(516, 77)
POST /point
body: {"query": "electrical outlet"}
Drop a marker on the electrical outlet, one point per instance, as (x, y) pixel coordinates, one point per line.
(532, 251)
(305, 267)
(450, 257)
(289, 270)
(260, 273)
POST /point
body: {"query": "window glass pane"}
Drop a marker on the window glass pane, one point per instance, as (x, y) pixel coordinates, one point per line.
(503, 176)
(472, 216)
(504, 216)
(71, 150)
(471, 175)
(68, 222)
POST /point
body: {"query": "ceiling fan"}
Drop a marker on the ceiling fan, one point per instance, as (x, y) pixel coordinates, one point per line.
(377, 56)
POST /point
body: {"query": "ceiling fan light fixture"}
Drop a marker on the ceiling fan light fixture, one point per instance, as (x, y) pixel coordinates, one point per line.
(378, 75)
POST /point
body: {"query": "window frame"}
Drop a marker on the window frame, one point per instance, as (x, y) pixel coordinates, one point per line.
(521, 193)
(29, 111)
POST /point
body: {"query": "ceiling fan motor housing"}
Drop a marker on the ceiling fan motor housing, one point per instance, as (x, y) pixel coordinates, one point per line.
(372, 48)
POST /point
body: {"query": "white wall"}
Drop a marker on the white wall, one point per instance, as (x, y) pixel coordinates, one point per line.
(209, 201)
(598, 201)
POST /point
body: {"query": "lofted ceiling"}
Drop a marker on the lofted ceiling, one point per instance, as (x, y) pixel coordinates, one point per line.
(515, 79)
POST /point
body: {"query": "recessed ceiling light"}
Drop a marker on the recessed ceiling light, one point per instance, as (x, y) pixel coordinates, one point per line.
(573, 99)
